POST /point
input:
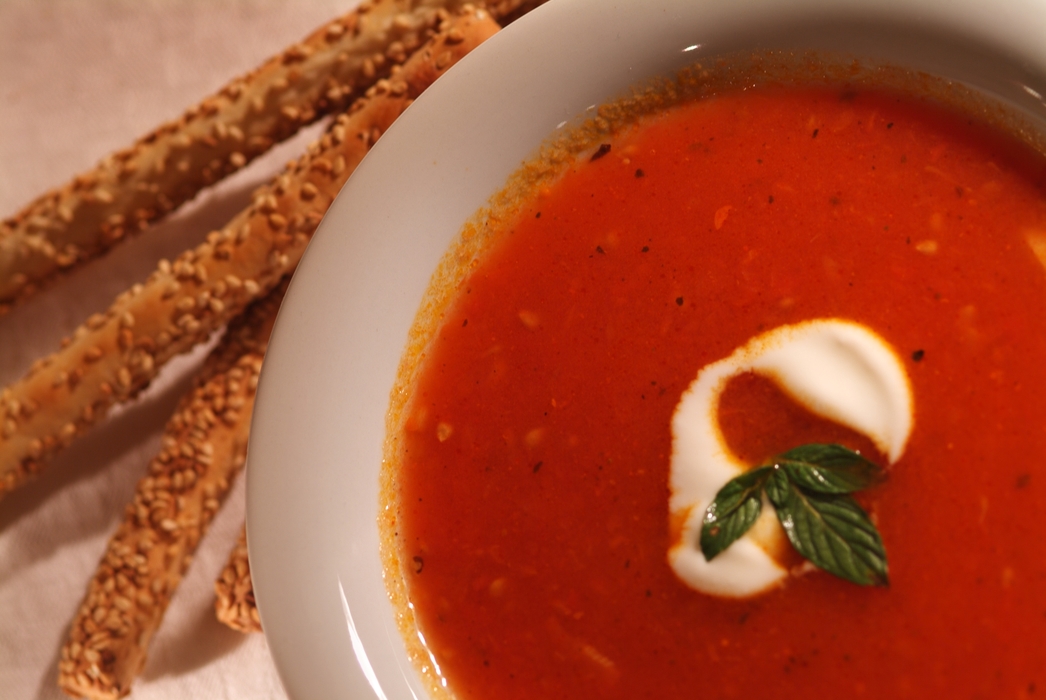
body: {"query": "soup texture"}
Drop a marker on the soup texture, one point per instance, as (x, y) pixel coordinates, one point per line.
(532, 479)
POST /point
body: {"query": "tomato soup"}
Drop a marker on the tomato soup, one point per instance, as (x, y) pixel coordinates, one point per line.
(532, 503)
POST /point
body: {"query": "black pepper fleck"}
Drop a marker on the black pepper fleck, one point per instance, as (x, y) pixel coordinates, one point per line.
(603, 149)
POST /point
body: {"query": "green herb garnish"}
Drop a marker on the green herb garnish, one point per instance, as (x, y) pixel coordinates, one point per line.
(809, 488)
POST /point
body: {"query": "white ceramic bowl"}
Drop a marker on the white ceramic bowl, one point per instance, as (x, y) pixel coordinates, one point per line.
(316, 443)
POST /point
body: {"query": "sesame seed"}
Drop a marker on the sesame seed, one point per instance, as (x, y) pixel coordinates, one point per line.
(367, 69)
(277, 221)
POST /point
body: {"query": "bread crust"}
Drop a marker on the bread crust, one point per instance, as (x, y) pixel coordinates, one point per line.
(204, 446)
(204, 443)
(133, 187)
(113, 356)
(234, 603)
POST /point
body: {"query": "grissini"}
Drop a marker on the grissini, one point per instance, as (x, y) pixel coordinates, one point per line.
(204, 446)
(113, 356)
(135, 186)
(234, 603)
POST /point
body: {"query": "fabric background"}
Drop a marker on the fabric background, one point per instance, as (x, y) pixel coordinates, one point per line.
(78, 79)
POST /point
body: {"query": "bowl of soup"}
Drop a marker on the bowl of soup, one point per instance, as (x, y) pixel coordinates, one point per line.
(624, 254)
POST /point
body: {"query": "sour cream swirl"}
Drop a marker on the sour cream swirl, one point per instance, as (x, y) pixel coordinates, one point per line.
(837, 369)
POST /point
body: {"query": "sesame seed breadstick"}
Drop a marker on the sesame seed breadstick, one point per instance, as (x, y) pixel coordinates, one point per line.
(135, 186)
(234, 591)
(113, 356)
(204, 446)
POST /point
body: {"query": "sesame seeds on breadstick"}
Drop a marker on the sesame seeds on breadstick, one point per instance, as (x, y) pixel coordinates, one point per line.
(204, 446)
(114, 355)
(234, 603)
(132, 188)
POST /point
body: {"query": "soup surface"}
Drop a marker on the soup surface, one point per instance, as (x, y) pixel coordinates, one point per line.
(533, 483)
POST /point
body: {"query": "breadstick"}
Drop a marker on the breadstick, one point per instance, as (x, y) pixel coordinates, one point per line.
(114, 355)
(234, 591)
(133, 187)
(204, 446)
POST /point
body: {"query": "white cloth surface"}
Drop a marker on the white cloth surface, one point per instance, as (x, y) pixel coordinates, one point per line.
(79, 79)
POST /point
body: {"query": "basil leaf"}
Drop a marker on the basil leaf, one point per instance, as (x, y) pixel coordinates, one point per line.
(829, 469)
(835, 534)
(735, 509)
(777, 488)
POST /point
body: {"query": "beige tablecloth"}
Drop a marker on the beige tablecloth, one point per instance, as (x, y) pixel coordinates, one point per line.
(78, 79)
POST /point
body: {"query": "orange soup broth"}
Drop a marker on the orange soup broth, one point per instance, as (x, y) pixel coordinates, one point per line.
(533, 492)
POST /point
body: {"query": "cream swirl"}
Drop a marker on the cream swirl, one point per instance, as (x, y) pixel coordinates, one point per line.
(836, 369)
